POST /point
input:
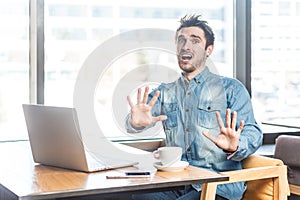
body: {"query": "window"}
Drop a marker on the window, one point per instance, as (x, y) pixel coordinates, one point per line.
(74, 29)
(275, 62)
(14, 68)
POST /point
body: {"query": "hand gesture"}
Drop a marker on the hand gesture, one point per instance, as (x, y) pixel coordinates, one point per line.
(228, 139)
(141, 114)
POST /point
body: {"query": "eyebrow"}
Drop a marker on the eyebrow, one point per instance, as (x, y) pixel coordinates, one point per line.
(193, 36)
(196, 36)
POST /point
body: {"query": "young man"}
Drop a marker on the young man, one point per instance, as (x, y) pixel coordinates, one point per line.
(193, 109)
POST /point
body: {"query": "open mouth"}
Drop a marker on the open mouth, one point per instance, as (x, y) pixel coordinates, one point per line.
(186, 57)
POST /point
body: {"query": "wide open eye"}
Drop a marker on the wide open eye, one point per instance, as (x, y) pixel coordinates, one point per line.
(195, 41)
(181, 40)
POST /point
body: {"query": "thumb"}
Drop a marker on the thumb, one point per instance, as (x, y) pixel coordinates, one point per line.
(159, 118)
(211, 138)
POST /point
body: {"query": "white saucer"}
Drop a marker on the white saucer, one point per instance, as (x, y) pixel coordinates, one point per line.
(176, 167)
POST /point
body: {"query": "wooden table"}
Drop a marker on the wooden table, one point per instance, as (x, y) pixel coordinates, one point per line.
(21, 178)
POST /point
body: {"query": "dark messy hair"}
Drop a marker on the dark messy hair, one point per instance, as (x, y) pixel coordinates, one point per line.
(193, 20)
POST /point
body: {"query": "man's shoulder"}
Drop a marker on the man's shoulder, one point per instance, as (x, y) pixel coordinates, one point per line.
(167, 86)
(212, 77)
(228, 81)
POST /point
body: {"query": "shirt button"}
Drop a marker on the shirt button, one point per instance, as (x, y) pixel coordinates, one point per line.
(189, 93)
(208, 108)
(187, 110)
(188, 149)
(198, 82)
(187, 129)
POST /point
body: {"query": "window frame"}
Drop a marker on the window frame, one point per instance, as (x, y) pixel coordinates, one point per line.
(37, 51)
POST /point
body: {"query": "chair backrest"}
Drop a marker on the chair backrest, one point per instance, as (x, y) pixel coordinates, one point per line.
(287, 148)
(264, 189)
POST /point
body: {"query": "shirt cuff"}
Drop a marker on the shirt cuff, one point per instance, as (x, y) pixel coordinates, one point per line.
(230, 154)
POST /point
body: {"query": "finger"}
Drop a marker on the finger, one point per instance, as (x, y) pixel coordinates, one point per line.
(233, 120)
(159, 118)
(138, 100)
(242, 124)
(228, 118)
(130, 102)
(211, 138)
(219, 119)
(154, 98)
(146, 95)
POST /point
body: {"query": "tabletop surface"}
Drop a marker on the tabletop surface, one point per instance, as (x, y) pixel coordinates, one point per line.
(28, 180)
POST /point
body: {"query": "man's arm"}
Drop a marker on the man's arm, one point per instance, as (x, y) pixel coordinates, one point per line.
(240, 136)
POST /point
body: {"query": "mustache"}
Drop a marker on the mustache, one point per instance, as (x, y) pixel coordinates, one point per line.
(182, 52)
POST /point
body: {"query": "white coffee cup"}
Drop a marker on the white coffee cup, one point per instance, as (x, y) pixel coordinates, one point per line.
(168, 155)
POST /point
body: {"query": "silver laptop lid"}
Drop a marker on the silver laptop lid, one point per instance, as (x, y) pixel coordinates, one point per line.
(54, 136)
(55, 140)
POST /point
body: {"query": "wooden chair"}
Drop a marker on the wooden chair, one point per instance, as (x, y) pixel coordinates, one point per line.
(266, 179)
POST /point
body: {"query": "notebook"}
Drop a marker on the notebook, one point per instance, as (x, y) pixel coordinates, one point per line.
(55, 140)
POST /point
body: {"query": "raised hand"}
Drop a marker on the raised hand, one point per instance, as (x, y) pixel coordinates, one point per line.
(141, 114)
(228, 139)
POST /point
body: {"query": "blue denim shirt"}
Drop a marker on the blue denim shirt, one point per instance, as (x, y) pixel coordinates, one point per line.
(190, 108)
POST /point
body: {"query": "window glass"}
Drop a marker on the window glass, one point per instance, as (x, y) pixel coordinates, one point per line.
(74, 29)
(298, 9)
(275, 61)
(14, 68)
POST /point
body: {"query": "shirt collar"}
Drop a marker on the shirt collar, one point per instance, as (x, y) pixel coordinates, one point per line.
(199, 78)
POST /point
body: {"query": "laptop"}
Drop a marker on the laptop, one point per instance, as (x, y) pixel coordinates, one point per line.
(55, 140)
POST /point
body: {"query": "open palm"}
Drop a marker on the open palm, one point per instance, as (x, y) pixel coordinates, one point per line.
(141, 114)
(228, 139)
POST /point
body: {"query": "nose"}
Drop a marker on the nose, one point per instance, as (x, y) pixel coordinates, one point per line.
(186, 45)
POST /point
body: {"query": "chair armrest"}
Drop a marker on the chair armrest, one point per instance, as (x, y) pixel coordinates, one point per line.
(279, 173)
(255, 173)
(295, 189)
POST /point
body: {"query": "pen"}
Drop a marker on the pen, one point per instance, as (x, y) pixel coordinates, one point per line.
(129, 175)
(136, 173)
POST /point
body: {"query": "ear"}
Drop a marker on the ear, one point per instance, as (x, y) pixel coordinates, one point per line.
(209, 50)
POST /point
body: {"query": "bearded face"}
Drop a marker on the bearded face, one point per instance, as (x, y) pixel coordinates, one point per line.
(191, 52)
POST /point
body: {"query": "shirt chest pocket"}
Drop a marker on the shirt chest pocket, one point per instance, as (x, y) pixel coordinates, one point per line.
(171, 110)
(207, 114)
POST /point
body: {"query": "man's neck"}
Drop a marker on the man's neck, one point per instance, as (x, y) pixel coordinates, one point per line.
(191, 75)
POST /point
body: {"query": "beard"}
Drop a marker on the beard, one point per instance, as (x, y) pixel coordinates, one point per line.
(192, 65)
(195, 63)
(187, 68)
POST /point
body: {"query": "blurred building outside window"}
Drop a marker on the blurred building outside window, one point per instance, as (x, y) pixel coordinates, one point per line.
(14, 67)
(276, 61)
